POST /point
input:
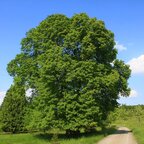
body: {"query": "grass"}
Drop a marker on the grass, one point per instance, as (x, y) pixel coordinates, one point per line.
(39, 139)
(36, 138)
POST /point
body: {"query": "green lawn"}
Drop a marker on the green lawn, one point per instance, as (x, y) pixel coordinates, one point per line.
(33, 138)
(46, 139)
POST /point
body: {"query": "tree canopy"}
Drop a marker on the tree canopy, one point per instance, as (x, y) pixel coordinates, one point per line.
(71, 66)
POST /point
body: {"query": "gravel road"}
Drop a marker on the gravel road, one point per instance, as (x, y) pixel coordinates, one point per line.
(122, 136)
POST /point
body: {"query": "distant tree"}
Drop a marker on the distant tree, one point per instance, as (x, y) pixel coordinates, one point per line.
(13, 109)
(139, 113)
(0, 119)
(71, 64)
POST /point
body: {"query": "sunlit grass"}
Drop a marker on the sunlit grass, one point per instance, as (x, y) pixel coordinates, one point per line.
(46, 138)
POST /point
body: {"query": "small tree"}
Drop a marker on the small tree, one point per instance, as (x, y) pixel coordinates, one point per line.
(138, 113)
(0, 119)
(13, 109)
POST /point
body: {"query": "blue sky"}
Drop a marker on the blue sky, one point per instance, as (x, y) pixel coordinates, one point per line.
(123, 17)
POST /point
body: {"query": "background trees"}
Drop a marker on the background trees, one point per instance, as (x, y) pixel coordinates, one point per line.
(71, 65)
(13, 109)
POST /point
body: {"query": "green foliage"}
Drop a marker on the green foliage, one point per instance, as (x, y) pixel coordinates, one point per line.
(68, 63)
(0, 119)
(125, 113)
(13, 109)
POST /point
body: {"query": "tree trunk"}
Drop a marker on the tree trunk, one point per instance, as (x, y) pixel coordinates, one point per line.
(72, 132)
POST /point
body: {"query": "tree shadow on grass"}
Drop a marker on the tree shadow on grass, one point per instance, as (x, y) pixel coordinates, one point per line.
(63, 136)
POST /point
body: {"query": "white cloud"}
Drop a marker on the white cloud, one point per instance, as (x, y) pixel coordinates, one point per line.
(2, 95)
(120, 47)
(137, 64)
(133, 93)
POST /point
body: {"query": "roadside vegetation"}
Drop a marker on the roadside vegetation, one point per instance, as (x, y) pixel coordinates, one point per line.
(131, 117)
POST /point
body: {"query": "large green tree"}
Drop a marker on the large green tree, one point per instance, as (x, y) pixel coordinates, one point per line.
(13, 109)
(71, 65)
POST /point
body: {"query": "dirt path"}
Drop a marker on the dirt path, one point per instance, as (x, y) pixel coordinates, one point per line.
(122, 136)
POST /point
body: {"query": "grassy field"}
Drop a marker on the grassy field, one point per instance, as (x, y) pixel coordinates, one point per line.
(46, 139)
(28, 138)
